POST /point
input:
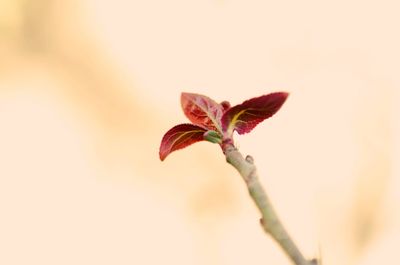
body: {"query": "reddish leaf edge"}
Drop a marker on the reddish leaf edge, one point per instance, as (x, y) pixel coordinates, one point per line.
(167, 147)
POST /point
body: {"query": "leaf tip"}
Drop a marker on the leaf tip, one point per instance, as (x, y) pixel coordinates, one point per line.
(161, 155)
(285, 94)
(186, 96)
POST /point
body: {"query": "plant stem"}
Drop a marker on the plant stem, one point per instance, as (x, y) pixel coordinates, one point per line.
(269, 221)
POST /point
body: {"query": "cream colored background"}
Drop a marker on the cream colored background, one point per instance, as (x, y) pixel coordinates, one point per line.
(87, 89)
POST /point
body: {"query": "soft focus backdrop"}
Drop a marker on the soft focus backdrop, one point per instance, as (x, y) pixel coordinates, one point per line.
(88, 87)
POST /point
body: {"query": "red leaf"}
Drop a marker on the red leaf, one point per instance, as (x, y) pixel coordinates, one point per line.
(202, 110)
(244, 117)
(179, 137)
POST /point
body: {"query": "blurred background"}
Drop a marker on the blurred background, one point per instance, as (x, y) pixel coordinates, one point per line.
(88, 88)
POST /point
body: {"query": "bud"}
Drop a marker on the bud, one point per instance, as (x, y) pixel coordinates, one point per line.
(226, 105)
(212, 136)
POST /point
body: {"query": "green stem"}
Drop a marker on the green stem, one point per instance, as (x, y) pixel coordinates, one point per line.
(269, 221)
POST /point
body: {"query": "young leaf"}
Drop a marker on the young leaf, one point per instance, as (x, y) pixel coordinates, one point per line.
(244, 117)
(202, 110)
(213, 137)
(225, 105)
(179, 137)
